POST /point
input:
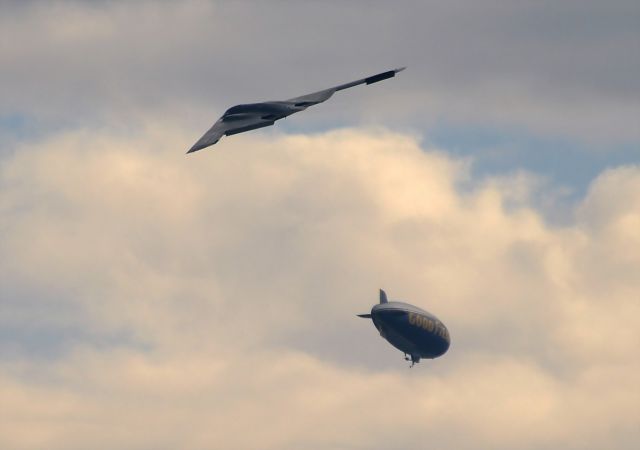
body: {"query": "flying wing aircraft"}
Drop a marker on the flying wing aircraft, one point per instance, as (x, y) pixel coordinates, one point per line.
(241, 118)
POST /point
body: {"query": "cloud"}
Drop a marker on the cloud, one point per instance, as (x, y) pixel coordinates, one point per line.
(211, 298)
(551, 69)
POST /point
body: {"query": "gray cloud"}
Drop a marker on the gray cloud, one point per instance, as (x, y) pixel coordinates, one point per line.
(563, 68)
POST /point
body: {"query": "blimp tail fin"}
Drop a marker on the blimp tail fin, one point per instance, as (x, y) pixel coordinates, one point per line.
(383, 296)
(365, 316)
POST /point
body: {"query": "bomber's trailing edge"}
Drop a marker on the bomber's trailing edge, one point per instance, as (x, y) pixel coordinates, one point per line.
(412, 330)
(241, 118)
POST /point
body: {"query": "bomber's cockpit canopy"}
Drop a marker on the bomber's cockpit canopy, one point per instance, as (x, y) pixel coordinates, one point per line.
(265, 110)
(242, 109)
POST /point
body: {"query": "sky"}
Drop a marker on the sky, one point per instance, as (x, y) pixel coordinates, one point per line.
(152, 300)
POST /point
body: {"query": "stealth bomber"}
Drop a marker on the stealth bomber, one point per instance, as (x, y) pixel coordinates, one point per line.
(412, 330)
(241, 118)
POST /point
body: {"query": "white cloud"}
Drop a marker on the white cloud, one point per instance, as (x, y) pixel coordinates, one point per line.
(233, 276)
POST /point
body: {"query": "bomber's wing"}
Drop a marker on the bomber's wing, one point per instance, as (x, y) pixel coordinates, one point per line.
(321, 96)
(227, 128)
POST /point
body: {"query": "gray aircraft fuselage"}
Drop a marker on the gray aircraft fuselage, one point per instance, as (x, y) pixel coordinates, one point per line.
(410, 329)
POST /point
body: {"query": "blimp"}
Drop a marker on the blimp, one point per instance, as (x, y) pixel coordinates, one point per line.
(412, 330)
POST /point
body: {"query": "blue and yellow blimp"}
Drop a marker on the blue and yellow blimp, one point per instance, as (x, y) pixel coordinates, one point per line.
(412, 330)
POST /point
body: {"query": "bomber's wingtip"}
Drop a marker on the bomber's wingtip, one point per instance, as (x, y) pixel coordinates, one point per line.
(197, 146)
(381, 76)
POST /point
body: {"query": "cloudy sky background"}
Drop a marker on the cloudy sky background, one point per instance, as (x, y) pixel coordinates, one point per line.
(151, 300)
